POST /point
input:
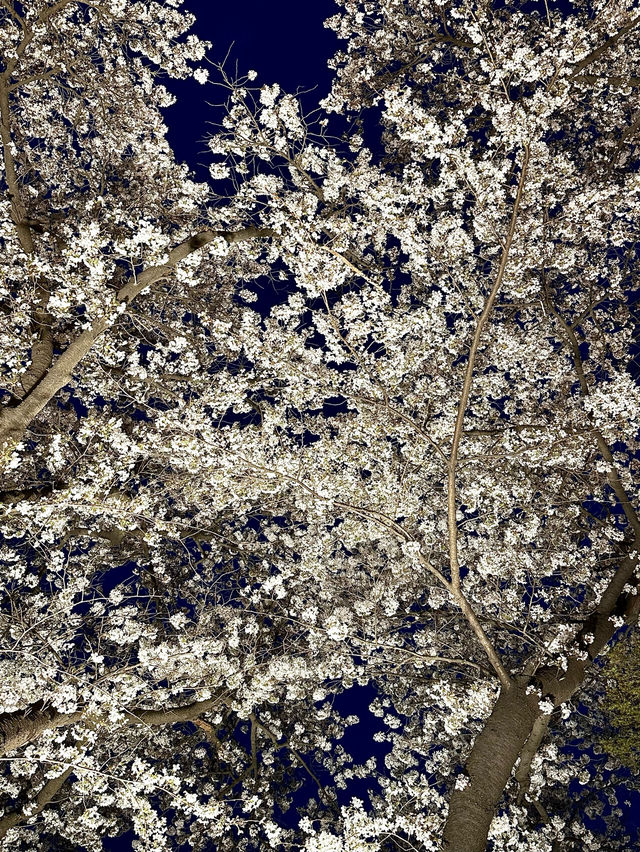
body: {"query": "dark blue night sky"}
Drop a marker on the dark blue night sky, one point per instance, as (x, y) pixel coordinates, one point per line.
(283, 40)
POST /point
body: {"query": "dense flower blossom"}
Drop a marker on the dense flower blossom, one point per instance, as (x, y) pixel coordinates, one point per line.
(368, 421)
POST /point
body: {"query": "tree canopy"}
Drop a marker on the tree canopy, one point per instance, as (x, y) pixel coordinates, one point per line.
(358, 416)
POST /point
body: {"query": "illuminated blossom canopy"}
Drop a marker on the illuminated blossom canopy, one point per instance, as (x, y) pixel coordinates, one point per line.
(357, 417)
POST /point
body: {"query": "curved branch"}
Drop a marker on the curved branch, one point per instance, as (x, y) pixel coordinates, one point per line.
(457, 435)
(23, 726)
(15, 421)
(44, 798)
(468, 379)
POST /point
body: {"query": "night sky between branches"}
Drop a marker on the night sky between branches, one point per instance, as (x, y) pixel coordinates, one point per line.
(285, 42)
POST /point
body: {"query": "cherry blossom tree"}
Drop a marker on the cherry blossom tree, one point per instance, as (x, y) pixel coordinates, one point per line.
(360, 414)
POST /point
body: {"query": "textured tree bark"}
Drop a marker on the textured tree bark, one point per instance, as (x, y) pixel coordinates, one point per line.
(17, 729)
(41, 353)
(23, 726)
(44, 798)
(516, 715)
(42, 350)
(489, 767)
(523, 772)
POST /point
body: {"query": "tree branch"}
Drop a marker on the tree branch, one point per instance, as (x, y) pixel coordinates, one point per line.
(19, 728)
(610, 42)
(15, 421)
(154, 273)
(468, 379)
(530, 748)
(613, 476)
(286, 744)
(457, 435)
(23, 726)
(44, 798)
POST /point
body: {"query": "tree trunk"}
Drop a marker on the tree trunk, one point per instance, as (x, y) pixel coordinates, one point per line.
(513, 718)
(489, 767)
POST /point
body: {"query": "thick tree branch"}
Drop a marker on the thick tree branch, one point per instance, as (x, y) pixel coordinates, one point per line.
(602, 49)
(23, 726)
(614, 79)
(44, 798)
(18, 211)
(173, 715)
(15, 421)
(523, 772)
(19, 728)
(154, 273)
(42, 350)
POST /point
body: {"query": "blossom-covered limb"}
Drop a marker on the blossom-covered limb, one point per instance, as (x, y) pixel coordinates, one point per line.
(44, 798)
